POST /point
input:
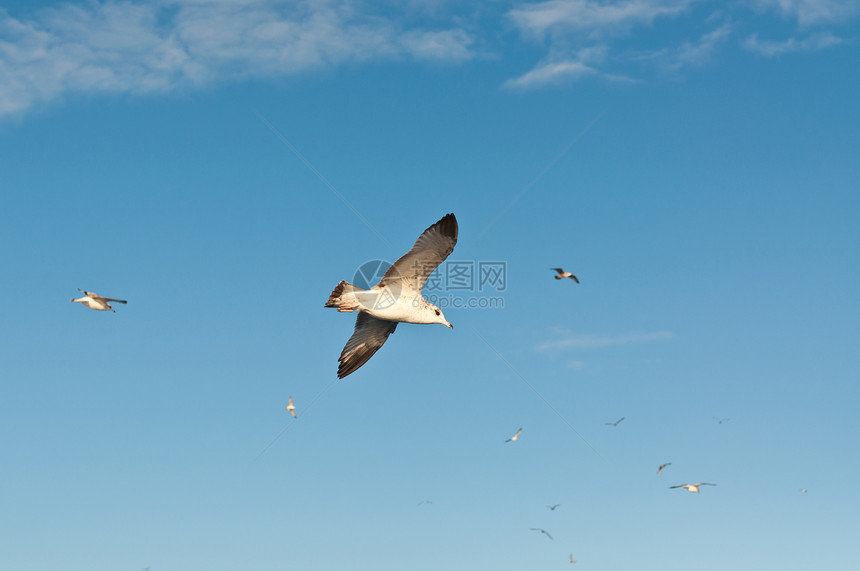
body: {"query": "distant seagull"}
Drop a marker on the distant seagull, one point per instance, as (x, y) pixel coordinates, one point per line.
(721, 420)
(425, 502)
(552, 508)
(692, 487)
(571, 558)
(514, 437)
(614, 423)
(396, 298)
(95, 301)
(543, 531)
(563, 274)
(291, 407)
(802, 490)
(660, 469)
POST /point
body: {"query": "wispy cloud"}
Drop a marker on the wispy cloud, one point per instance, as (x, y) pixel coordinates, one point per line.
(812, 12)
(688, 54)
(569, 340)
(138, 47)
(769, 48)
(592, 17)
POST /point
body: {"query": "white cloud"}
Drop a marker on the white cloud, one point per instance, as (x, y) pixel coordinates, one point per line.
(141, 47)
(591, 16)
(687, 54)
(570, 340)
(810, 12)
(769, 48)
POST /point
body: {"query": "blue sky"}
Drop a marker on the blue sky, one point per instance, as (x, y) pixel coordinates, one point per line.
(694, 163)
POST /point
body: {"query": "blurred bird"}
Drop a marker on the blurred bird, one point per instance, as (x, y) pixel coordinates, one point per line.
(563, 274)
(692, 487)
(802, 490)
(95, 301)
(721, 420)
(514, 437)
(660, 469)
(571, 558)
(543, 531)
(425, 502)
(614, 423)
(552, 508)
(291, 407)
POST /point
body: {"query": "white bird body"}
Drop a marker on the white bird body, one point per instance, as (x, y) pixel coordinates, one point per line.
(692, 487)
(95, 301)
(515, 436)
(563, 274)
(382, 303)
(291, 407)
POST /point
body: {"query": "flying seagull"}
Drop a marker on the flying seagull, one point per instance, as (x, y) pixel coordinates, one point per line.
(543, 531)
(552, 508)
(291, 407)
(95, 301)
(396, 298)
(571, 558)
(563, 274)
(614, 423)
(660, 469)
(720, 420)
(802, 490)
(425, 502)
(692, 487)
(514, 437)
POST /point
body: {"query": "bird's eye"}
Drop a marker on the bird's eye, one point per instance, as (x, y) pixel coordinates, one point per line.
(437, 312)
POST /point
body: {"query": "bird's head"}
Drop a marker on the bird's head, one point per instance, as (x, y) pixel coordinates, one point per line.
(438, 316)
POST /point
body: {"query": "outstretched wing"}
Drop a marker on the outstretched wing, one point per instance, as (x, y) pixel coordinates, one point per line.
(112, 299)
(559, 270)
(369, 335)
(409, 273)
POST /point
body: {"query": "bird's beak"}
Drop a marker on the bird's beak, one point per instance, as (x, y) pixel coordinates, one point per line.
(449, 325)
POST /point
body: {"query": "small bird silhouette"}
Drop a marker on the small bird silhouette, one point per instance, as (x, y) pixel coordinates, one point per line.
(721, 420)
(571, 558)
(552, 508)
(802, 490)
(614, 423)
(692, 487)
(422, 502)
(514, 437)
(291, 407)
(94, 301)
(660, 469)
(543, 531)
(563, 274)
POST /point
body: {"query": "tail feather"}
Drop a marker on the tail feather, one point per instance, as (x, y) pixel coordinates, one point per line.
(342, 295)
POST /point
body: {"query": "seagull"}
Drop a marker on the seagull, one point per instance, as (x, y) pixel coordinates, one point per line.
(692, 487)
(95, 301)
(425, 502)
(396, 298)
(514, 437)
(802, 490)
(720, 420)
(543, 531)
(571, 558)
(563, 274)
(614, 423)
(552, 508)
(660, 469)
(291, 407)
